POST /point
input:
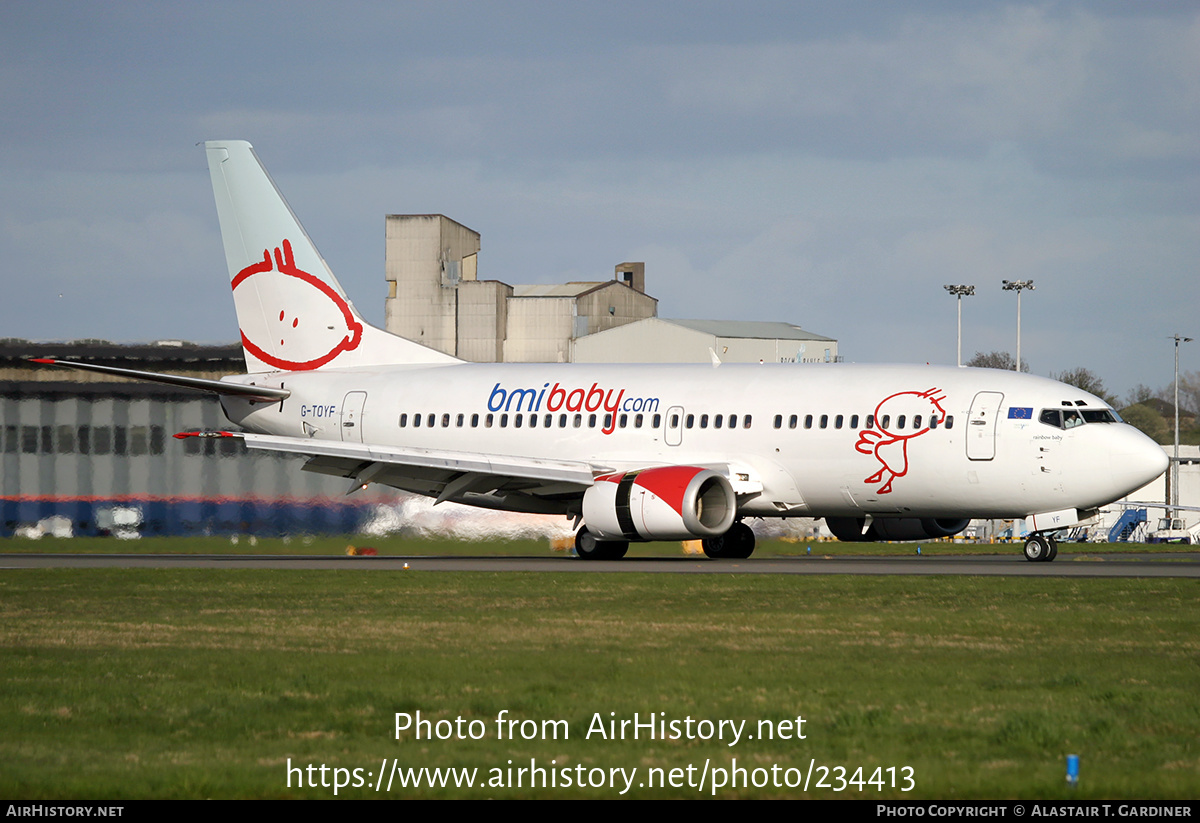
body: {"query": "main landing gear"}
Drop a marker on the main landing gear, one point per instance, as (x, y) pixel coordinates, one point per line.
(735, 544)
(590, 548)
(1041, 547)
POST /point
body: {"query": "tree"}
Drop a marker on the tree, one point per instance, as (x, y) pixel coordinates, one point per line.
(995, 360)
(1147, 420)
(1189, 392)
(1139, 394)
(1087, 380)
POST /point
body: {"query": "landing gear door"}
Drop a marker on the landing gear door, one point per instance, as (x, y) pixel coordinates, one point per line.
(981, 425)
(352, 412)
(673, 431)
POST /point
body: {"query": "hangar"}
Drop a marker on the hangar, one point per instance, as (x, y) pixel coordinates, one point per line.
(83, 453)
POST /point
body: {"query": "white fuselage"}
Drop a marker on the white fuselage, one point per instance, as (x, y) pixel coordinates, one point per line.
(823, 440)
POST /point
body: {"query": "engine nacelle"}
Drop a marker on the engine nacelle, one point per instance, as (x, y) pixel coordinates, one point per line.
(850, 529)
(665, 503)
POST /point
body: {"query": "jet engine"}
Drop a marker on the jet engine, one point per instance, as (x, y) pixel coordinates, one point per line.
(664, 503)
(850, 529)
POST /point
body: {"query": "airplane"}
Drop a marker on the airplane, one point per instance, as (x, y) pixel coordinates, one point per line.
(643, 452)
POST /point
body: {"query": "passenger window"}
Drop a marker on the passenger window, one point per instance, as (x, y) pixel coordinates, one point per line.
(824, 421)
(403, 420)
(837, 422)
(608, 421)
(854, 421)
(887, 418)
(717, 419)
(533, 421)
(900, 422)
(549, 421)
(916, 421)
(808, 421)
(416, 421)
(691, 421)
(733, 421)
(504, 421)
(475, 421)
(591, 421)
(445, 421)
(487, 421)
(933, 421)
(779, 421)
(562, 421)
(458, 422)
(792, 421)
(623, 420)
(658, 422)
(578, 420)
(517, 421)
(431, 419)
(870, 421)
(746, 421)
(704, 421)
(637, 421)
(950, 421)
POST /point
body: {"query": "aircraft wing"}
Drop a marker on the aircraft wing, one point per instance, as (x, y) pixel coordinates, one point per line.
(488, 480)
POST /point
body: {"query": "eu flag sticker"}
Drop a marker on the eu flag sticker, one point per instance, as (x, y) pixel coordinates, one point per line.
(1020, 413)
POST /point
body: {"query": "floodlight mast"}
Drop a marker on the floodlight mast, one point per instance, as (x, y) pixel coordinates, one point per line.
(959, 292)
(1017, 286)
(1175, 460)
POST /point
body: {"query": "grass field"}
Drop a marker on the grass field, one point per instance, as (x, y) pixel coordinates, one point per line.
(189, 683)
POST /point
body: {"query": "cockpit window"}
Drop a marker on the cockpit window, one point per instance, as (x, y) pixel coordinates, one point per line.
(1070, 418)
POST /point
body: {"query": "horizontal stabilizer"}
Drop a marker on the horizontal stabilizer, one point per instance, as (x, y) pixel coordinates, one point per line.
(199, 383)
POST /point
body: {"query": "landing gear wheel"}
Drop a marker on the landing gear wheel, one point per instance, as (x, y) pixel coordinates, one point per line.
(589, 548)
(1037, 548)
(735, 544)
(614, 549)
(1053, 549)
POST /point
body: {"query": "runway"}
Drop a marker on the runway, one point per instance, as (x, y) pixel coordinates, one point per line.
(1090, 565)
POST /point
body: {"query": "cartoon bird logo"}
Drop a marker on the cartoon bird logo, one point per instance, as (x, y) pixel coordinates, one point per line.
(301, 323)
(888, 440)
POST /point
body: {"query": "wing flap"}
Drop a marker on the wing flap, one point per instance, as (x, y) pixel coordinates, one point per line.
(523, 468)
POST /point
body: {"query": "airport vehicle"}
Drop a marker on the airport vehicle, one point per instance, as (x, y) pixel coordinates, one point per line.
(644, 452)
(1173, 530)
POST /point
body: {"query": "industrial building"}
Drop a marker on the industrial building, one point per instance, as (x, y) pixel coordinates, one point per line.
(436, 298)
(659, 340)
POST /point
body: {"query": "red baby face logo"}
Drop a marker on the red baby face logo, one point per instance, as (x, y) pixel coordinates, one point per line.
(311, 322)
(898, 419)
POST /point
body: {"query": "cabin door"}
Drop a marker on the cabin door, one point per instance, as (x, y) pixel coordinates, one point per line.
(981, 425)
(352, 412)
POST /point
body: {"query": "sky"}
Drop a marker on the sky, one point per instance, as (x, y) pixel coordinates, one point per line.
(831, 165)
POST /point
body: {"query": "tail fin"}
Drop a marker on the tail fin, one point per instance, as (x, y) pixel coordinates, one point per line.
(292, 312)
